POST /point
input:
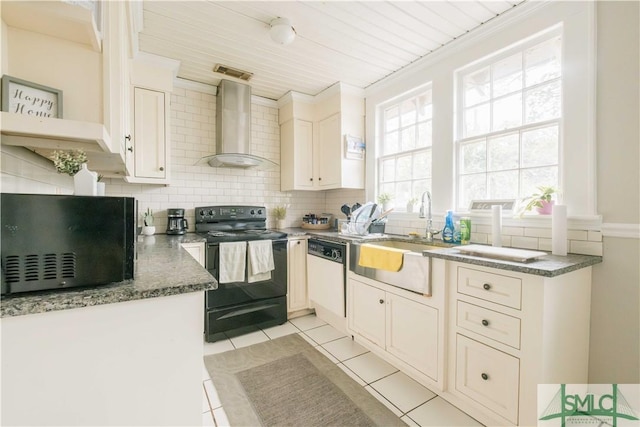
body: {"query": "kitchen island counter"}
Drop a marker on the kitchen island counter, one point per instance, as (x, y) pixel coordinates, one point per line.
(162, 268)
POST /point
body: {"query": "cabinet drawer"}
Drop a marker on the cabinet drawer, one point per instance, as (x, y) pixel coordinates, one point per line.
(488, 376)
(489, 323)
(504, 290)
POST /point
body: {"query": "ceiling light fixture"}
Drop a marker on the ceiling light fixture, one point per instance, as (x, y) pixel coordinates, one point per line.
(281, 31)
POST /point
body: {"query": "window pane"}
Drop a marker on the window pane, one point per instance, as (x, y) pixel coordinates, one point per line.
(403, 168)
(503, 152)
(476, 87)
(531, 179)
(402, 195)
(408, 112)
(476, 120)
(408, 138)
(540, 147)
(543, 62)
(507, 112)
(420, 187)
(388, 170)
(543, 102)
(388, 188)
(422, 165)
(424, 135)
(472, 187)
(473, 157)
(391, 144)
(503, 185)
(391, 119)
(507, 75)
(425, 110)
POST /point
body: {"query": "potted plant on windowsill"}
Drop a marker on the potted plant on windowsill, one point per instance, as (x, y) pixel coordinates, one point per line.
(384, 199)
(149, 229)
(541, 201)
(411, 203)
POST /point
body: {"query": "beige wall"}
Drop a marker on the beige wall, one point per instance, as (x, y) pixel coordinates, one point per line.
(71, 67)
(615, 320)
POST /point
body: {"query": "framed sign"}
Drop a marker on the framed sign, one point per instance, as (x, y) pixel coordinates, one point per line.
(30, 99)
(485, 205)
(354, 147)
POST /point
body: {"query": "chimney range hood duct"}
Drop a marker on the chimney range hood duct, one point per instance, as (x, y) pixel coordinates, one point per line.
(233, 129)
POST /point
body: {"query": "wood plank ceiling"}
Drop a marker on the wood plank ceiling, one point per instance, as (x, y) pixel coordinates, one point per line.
(354, 42)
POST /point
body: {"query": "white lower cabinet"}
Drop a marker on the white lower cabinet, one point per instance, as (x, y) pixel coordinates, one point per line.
(297, 290)
(507, 333)
(400, 325)
(487, 376)
(196, 250)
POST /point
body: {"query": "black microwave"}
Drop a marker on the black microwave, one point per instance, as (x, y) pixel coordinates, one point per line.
(61, 241)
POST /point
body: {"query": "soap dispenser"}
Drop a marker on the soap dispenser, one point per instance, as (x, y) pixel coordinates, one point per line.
(447, 232)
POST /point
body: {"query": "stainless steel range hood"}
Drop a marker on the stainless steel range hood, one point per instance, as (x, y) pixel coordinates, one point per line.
(233, 129)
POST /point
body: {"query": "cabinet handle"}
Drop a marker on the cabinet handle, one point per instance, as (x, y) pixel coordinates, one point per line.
(161, 169)
(486, 286)
(381, 301)
(130, 149)
(485, 322)
(484, 376)
(128, 137)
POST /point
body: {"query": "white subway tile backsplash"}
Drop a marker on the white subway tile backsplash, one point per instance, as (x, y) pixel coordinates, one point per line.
(577, 234)
(585, 248)
(594, 236)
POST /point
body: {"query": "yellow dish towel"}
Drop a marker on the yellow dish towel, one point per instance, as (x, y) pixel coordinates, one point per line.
(382, 258)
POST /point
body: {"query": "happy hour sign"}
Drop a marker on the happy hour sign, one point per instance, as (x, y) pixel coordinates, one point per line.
(30, 99)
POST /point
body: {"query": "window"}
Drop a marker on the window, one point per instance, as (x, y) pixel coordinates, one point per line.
(509, 122)
(404, 153)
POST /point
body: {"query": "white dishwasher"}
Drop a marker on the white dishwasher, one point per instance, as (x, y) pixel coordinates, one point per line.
(326, 262)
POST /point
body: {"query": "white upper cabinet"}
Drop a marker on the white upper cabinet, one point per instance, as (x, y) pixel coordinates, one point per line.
(313, 131)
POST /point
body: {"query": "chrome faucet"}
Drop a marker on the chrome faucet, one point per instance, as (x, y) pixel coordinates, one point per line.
(430, 231)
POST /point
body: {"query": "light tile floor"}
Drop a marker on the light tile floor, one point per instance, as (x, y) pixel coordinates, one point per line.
(413, 403)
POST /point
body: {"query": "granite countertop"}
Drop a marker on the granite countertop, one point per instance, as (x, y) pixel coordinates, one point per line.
(162, 268)
(547, 266)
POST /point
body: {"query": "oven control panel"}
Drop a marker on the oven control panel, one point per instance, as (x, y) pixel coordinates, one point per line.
(221, 213)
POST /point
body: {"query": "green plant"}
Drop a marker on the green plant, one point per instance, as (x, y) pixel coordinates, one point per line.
(412, 200)
(69, 162)
(384, 198)
(280, 212)
(148, 217)
(535, 200)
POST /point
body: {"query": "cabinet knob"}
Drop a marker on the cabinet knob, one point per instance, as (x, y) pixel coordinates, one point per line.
(484, 376)
(319, 179)
(161, 169)
(298, 242)
(485, 322)
(381, 301)
(130, 149)
(486, 286)
(128, 137)
(310, 179)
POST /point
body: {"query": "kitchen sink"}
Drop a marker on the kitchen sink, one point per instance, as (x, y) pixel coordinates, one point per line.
(415, 273)
(403, 244)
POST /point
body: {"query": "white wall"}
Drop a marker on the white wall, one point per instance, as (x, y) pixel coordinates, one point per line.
(615, 321)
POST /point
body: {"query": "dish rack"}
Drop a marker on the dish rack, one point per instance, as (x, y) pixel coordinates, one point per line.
(350, 228)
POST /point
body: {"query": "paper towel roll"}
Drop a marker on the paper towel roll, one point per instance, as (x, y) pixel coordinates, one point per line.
(496, 225)
(559, 230)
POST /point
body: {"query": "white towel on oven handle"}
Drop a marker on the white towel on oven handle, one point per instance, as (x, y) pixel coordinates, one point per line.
(260, 260)
(233, 257)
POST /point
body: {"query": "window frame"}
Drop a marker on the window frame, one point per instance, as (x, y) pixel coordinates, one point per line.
(487, 61)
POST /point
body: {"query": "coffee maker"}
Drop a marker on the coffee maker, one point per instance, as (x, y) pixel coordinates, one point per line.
(176, 223)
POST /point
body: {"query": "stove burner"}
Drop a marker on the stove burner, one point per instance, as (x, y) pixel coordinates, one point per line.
(219, 234)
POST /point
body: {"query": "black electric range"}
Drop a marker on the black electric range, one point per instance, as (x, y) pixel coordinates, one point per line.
(242, 306)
